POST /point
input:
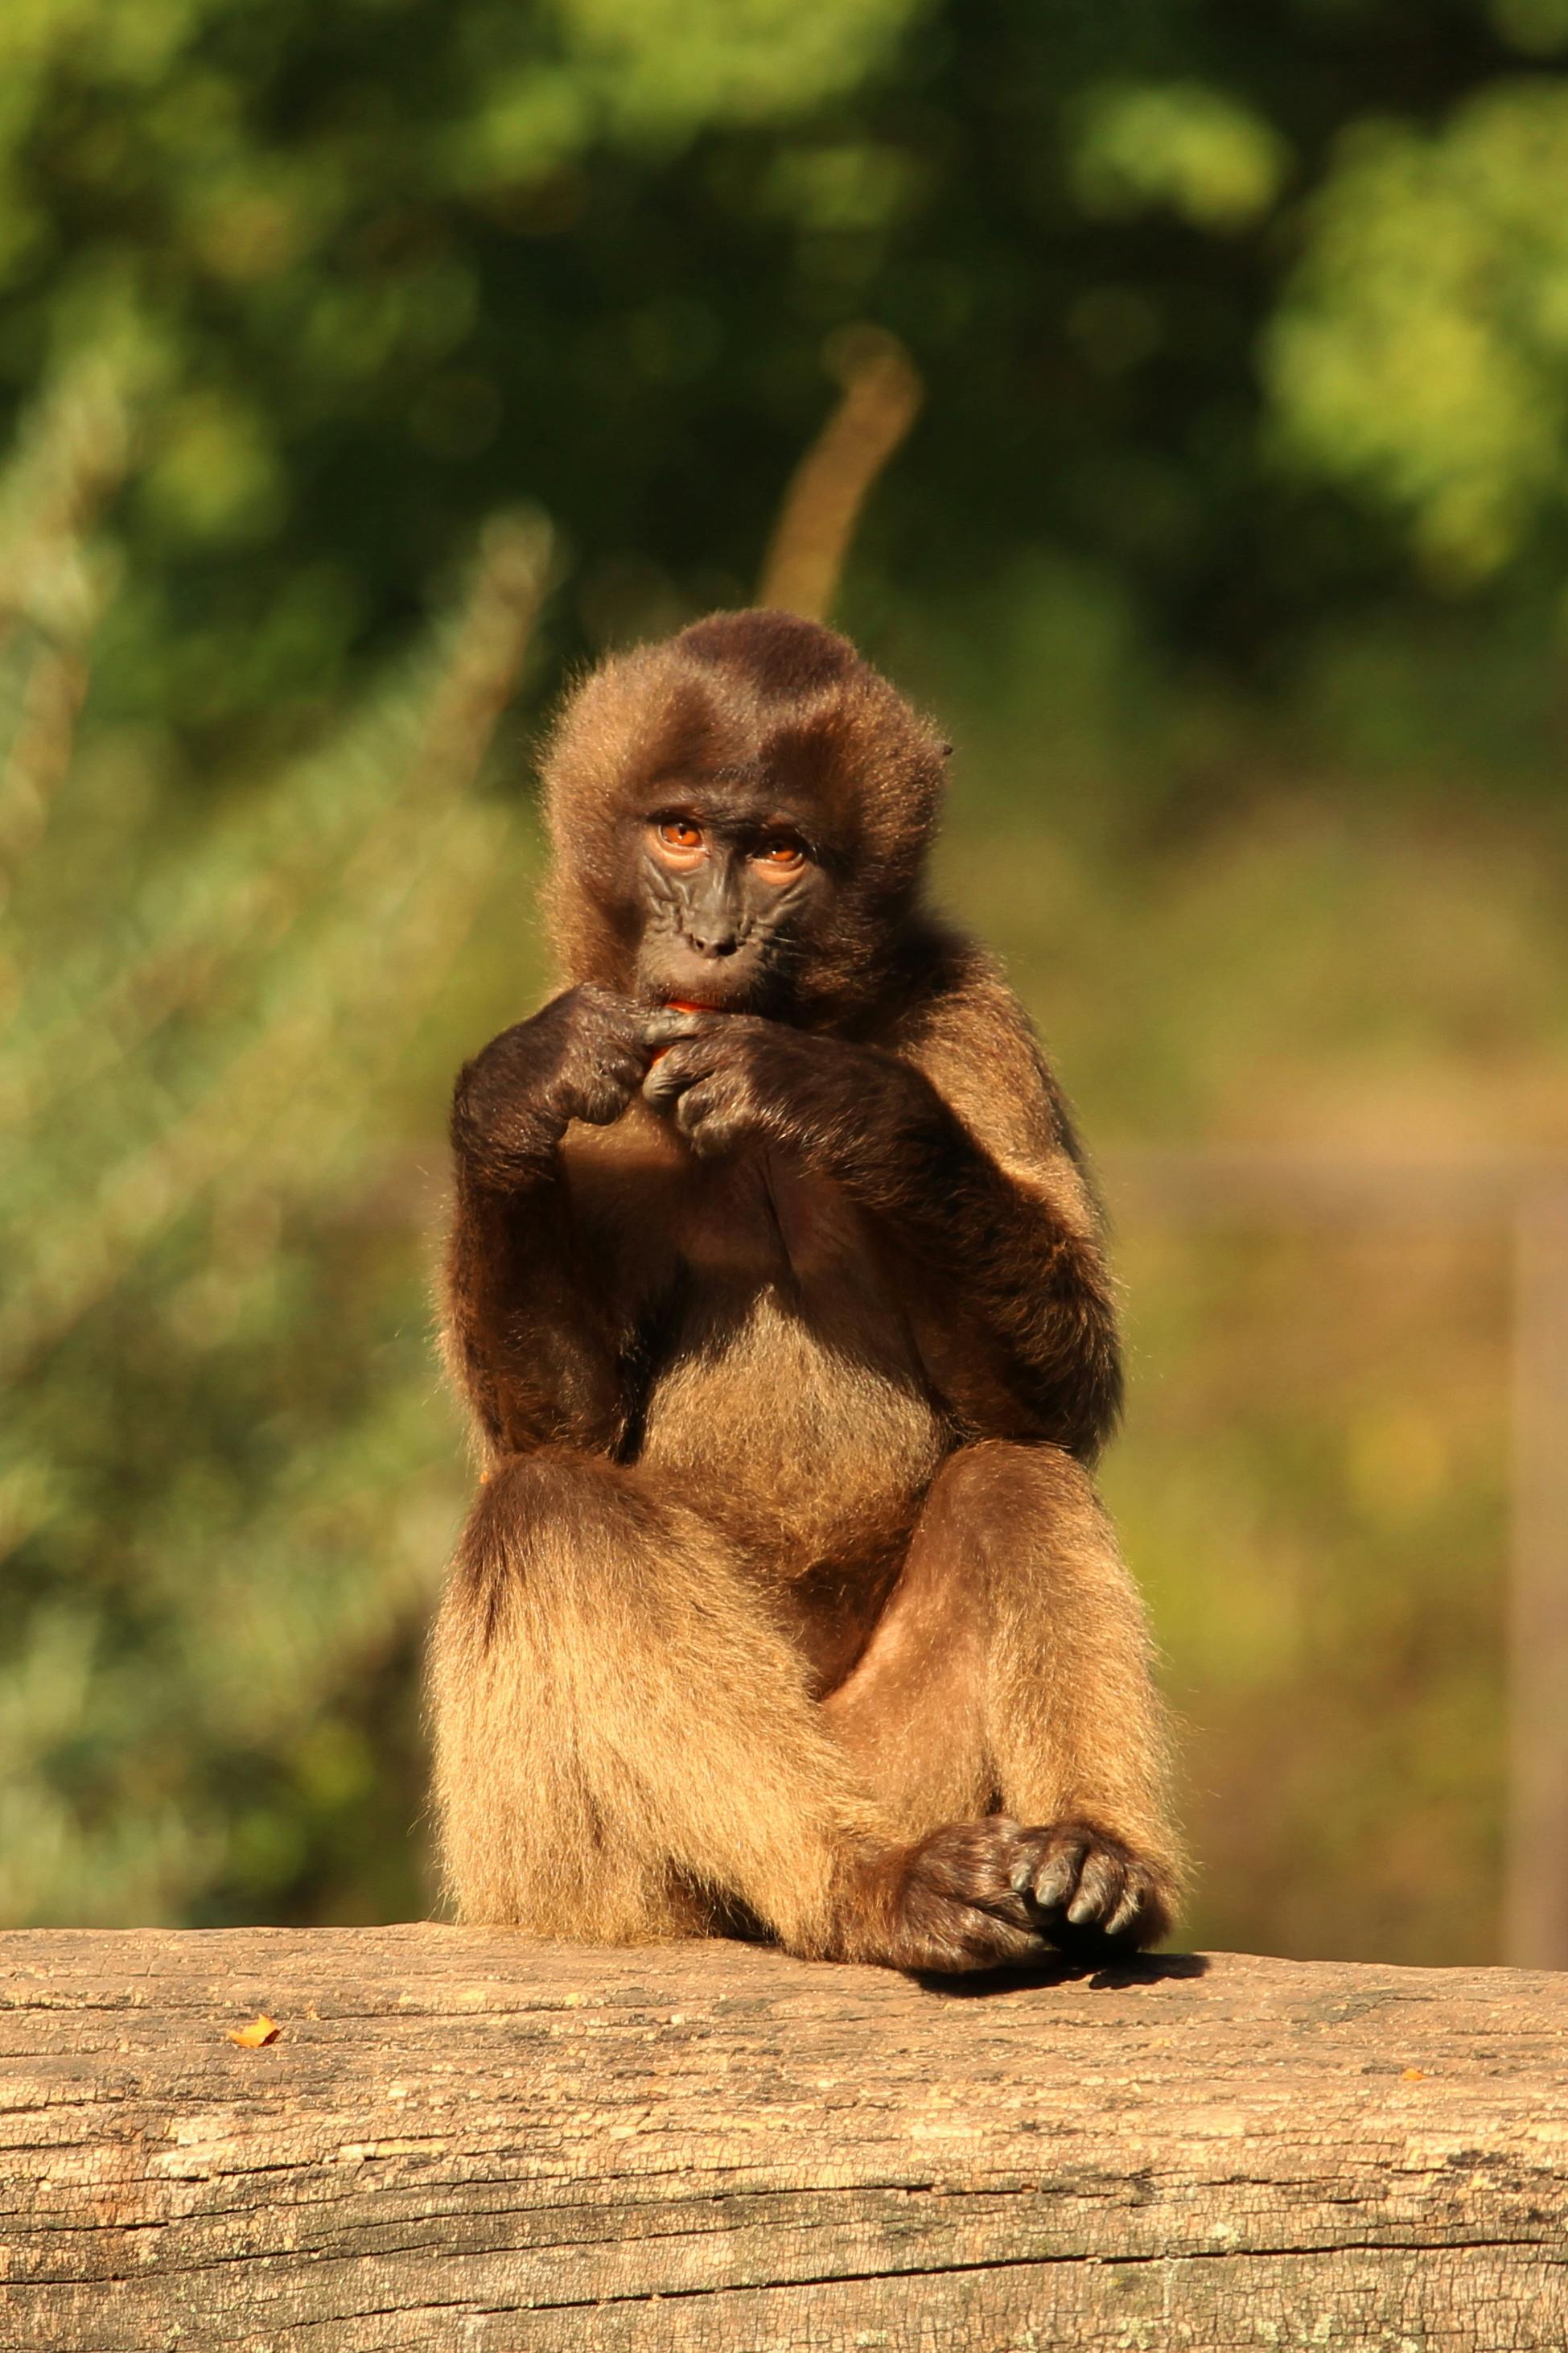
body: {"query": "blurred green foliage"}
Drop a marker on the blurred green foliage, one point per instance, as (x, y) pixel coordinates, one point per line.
(1313, 1481)
(395, 262)
(1231, 546)
(1422, 349)
(219, 1529)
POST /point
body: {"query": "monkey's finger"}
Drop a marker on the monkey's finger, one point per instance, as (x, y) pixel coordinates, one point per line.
(1127, 1912)
(700, 1119)
(603, 1102)
(681, 1066)
(1058, 1875)
(664, 1028)
(1100, 1887)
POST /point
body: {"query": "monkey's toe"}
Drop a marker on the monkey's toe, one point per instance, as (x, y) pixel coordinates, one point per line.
(992, 1894)
(1086, 1887)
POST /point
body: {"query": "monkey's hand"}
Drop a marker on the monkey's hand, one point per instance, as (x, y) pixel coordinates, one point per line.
(729, 1079)
(581, 1056)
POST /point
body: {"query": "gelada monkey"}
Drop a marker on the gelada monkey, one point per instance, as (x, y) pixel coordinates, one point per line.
(786, 1608)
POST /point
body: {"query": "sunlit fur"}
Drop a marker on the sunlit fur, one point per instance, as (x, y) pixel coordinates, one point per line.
(787, 1606)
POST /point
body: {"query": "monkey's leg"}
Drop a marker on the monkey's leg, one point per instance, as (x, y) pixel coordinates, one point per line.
(623, 1738)
(1011, 1668)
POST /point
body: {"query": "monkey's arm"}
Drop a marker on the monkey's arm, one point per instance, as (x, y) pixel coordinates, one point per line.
(956, 1141)
(1003, 1208)
(528, 1339)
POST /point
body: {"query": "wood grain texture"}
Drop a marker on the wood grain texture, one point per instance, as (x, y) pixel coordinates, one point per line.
(461, 2139)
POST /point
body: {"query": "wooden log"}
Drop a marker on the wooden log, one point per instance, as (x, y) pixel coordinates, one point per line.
(464, 2140)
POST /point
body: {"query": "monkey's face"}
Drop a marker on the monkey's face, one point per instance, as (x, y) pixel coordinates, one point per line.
(740, 818)
(734, 892)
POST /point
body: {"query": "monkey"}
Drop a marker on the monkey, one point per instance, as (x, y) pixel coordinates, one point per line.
(776, 1288)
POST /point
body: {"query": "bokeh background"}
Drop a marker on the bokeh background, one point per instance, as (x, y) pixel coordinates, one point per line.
(369, 363)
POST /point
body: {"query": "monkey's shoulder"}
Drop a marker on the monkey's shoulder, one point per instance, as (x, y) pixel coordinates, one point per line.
(974, 1040)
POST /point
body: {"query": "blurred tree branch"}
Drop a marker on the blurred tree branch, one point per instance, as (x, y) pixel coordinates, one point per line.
(815, 527)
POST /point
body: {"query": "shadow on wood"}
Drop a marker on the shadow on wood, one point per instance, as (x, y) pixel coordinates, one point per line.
(461, 2139)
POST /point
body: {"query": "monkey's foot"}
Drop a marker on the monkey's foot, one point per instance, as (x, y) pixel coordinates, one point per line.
(989, 1894)
(1086, 1887)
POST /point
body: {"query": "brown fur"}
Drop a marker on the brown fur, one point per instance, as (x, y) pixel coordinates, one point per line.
(787, 1605)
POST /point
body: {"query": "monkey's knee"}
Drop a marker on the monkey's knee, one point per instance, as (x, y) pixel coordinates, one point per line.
(535, 1522)
(526, 1494)
(998, 1495)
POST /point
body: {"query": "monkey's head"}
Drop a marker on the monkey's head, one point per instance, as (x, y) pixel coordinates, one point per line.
(740, 819)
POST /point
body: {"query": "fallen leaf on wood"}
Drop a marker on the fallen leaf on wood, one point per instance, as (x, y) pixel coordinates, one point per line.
(1413, 2075)
(260, 2028)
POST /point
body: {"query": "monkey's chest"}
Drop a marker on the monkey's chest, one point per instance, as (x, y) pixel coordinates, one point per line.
(789, 1384)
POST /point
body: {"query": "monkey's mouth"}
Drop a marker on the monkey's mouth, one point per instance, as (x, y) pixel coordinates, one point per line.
(750, 982)
(674, 992)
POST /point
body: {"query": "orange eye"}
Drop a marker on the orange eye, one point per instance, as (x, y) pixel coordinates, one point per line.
(781, 851)
(679, 832)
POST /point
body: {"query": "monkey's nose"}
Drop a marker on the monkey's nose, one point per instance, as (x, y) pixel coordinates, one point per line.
(714, 942)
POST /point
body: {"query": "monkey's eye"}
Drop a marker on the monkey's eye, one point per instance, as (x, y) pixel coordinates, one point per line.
(679, 833)
(781, 853)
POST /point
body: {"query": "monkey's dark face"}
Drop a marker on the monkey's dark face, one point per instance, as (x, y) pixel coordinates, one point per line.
(740, 818)
(733, 890)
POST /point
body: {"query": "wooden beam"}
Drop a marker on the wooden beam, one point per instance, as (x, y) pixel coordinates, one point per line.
(464, 2140)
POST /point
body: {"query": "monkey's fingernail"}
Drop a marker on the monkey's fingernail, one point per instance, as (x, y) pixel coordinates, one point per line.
(1054, 1882)
(663, 1028)
(1098, 1887)
(1125, 1914)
